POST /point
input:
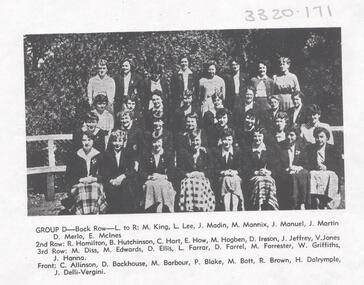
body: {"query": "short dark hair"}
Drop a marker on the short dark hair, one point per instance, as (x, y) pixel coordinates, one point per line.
(126, 59)
(91, 117)
(157, 68)
(192, 115)
(313, 110)
(124, 112)
(276, 97)
(294, 129)
(158, 93)
(100, 98)
(102, 62)
(184, 55)
(260, 130)
(196, 133)
(234, 59)
(216, 94)
(282, 115)
(250, 87)
(132, 97)
(89, 134)
(285, 59)
(298, 93)
(227, 133)
(263, 61)
(116, 134)
(221, 112)
(251, 113)
(319, 130)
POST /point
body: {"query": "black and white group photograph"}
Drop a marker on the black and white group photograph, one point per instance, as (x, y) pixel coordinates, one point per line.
(184, 121)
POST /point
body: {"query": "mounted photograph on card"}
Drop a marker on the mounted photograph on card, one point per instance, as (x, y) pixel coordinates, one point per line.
(184, 121)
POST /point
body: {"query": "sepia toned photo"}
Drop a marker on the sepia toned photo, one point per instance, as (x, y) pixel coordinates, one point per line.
(184, 121)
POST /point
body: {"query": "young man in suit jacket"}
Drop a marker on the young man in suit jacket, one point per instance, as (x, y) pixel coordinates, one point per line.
(293, 190)
(182, 81)
(157, 81)
(297, 114)
(126, 84)
(235, 86)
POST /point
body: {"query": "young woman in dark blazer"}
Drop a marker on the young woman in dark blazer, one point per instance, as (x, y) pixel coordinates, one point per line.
(83, 179)
(326, 166)
(159, 110)
(227, 173)
(179, 116)
(183, 139)
(90, 125)
(118, 172)
(261, 165)
(294, 181)
(194, 167)
(157, 172)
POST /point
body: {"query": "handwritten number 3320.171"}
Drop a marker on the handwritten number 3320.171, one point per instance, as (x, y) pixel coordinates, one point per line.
(261, 14)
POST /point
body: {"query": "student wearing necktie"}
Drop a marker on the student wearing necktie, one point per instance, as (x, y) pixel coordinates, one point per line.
(293, 191)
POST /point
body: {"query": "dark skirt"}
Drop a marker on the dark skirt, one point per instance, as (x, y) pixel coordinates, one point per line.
(122, 198)
(294, 190)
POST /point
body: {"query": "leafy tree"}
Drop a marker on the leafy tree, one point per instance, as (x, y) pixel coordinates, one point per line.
(58, 66)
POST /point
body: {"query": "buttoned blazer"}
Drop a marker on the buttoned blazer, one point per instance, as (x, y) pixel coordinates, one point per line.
(77, 168)
(165, 165)
(136, 86)
(300, 154)
(333, 160)
(177, 88)
(231, 99)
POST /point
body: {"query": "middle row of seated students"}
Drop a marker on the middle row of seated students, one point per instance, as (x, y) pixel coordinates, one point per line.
(212, 159)
(304, 117)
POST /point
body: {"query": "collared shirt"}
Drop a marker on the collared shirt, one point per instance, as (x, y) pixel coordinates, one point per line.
(188, 110)
(227, 153)
(155, 85)
(185, 77)
(321, 155)
(259, 149)
(117, 157)
(157, 157)
(295, 113)
(291, 151)
(126, 83)
(280, 136)
(237, 82)
(249, 106)
(105, 86)
(195, 156)
(87, 157)
(274, 113)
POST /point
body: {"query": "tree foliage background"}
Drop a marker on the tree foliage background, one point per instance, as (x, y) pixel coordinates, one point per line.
(58, 66)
